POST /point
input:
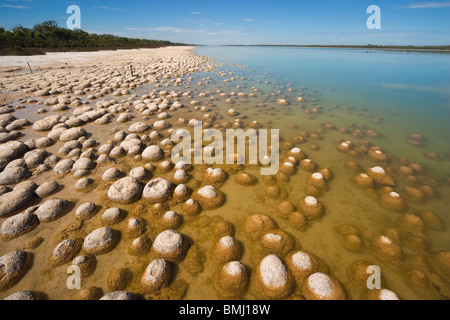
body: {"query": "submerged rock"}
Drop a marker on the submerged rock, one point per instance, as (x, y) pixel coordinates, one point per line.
(118, 295)
(72, 134)
(86, 211)
(64, 166)
(13, 267)
(156, 275)
(13, 175)
(274, 279)
(46, 124)
(158, 190)
(51, 210)
(125, 190)
(65, 251)
(18, 225)
(22, 296)
(14, 201)
(153, 153)
(99, 241)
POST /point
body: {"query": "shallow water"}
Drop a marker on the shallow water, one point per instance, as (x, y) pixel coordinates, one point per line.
(352, 87)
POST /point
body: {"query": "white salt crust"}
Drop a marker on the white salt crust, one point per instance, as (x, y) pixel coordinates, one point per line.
(234, 268)
(208, 192)
(379, 170)
(273, 272)
(321, 285)
(385, 240)
(168, 241)
(227, 242)
(272, 237)
(387, 295)
(317, 176)
(394, 194)
(302, 260)
(311, 201)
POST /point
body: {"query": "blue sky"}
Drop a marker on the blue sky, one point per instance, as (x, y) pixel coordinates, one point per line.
(247, 21)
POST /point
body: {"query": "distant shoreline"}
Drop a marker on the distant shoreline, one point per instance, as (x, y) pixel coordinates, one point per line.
(440, 49)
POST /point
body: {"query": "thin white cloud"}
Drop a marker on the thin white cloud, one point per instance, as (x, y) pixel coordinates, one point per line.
(168, 30)
(195, 12)
(428, 5)
(12, 6)
(248, 20)
(105, 8)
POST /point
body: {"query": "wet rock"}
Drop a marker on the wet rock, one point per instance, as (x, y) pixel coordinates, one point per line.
(72, 134)
(140, 173)
(83, 164)
(83, 183)
(153, 153)
(12, 150)
(256, 225)
(156, 275)
(65, 251)
(139, 246)
(274, 279)
(13, 175)
(44, 142)
(46, 124)
(233, 279)
(113, 216)
(86, 263)
(209, 198)
(35, 158)
(118, 295)
(125, 190)
(158, 190)
(13, 267)
(320, 286)
(81, 173)
(105, 148)
(14, 201)
(64, 166)
(22, 296)
(124, 117)
(104, 159)
(117, 152)
(138, 127)
(86, 211)
(100, 241)
(18, 225)
(90, 294)
(112, 174)
(118, 279)
(135, 227)
(51, 210)
(170, 245)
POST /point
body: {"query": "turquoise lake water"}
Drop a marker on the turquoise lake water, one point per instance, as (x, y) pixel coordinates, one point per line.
(413, 87)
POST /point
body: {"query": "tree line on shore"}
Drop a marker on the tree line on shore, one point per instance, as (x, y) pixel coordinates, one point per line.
(48, 36)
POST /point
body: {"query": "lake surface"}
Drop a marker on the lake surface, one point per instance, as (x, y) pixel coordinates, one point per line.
(413, 86)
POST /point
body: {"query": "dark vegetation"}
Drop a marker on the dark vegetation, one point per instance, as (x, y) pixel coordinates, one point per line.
(48, 36)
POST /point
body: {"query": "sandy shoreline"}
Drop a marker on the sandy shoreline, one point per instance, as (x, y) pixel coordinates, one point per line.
(54, 58)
